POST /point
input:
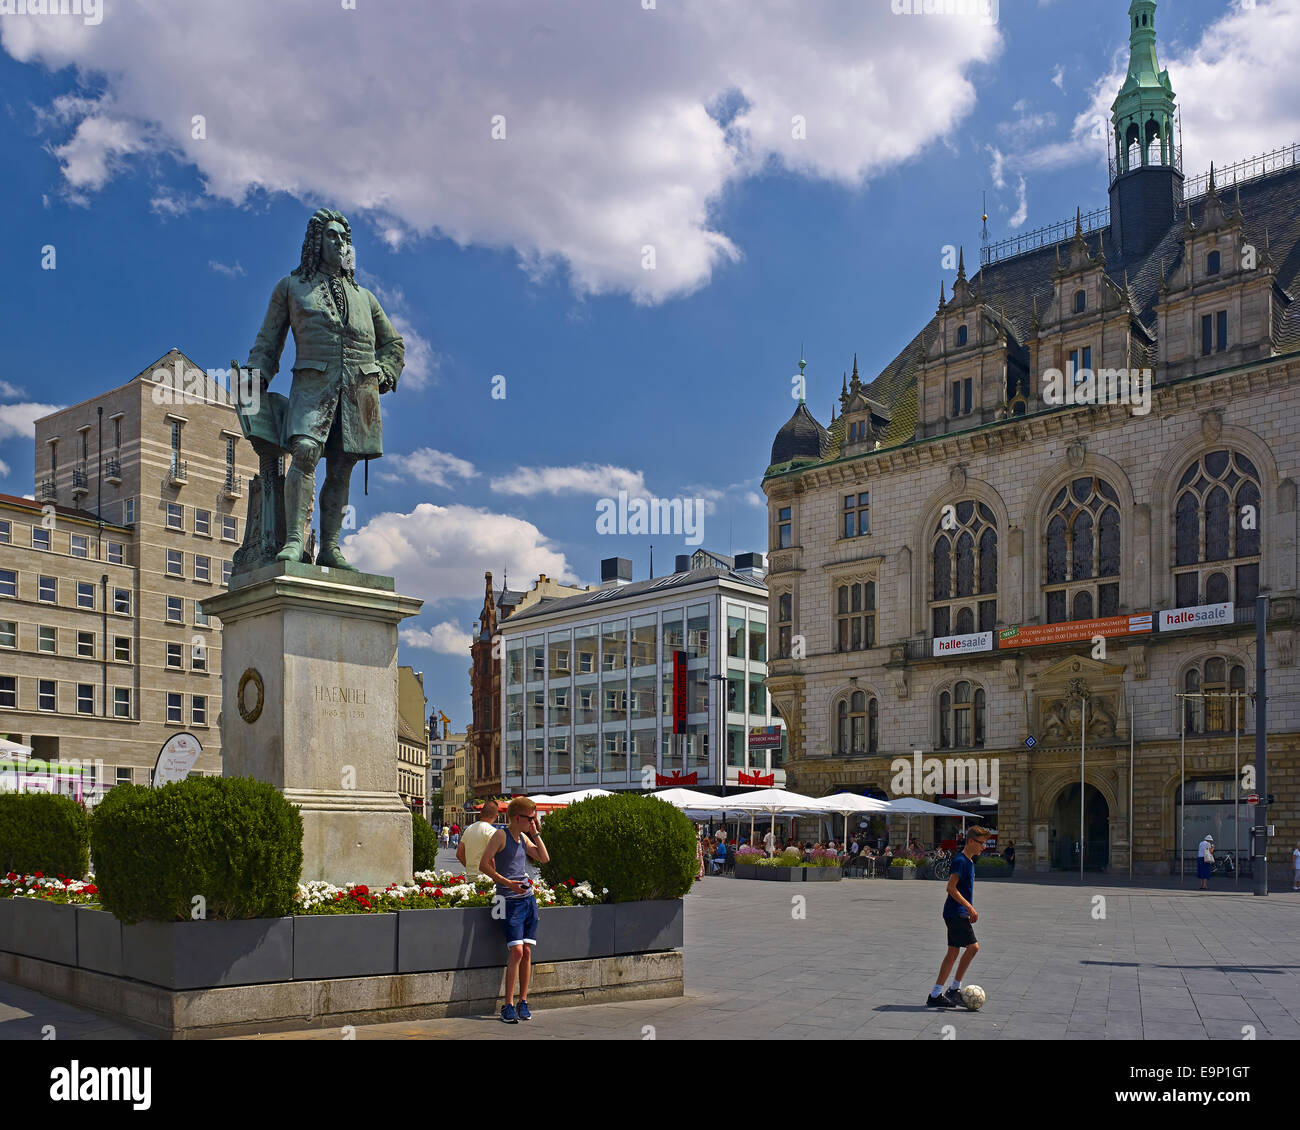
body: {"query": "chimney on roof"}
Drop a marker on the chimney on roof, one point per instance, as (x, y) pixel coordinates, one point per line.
(751, 565)
(683, 563)
(615, 571)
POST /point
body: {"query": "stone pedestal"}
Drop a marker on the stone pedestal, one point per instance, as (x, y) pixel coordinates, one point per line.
(309, 703)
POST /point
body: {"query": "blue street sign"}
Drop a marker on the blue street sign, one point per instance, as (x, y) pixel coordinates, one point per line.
(1030, 742)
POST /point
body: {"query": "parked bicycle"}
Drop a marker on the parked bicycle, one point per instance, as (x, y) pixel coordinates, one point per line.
(1223, 864)
(941, 864)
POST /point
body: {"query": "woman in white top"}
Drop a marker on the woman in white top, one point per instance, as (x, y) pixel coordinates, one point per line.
(1295, 859)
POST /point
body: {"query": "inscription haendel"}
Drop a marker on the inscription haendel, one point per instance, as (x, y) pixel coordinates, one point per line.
(350, 695)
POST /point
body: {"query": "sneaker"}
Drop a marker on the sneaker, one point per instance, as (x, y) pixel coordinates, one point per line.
(508, 1014)
(941, 1001)
(954, 996)
(524, 1014)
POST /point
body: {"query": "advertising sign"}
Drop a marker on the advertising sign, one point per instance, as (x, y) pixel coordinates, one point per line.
(1072, 631)
(757, 778)
(765, 737)
(1180, 619)
(176, 759)
(952, 645)
(676, 777)
(680, 692)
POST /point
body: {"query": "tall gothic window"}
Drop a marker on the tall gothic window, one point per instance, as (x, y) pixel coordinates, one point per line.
(964, 571)
(857, 718)
(1083, 551)
(1214, 711)
(1216, 522)
(961, 716)
(855, 612)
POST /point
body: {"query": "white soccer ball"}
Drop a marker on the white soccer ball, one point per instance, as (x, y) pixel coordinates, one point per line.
(972, 996)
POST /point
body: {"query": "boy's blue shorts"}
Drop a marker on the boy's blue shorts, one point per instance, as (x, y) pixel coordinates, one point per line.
(521, 921)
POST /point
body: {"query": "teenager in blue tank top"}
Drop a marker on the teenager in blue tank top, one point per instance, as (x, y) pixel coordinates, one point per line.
(504, 863)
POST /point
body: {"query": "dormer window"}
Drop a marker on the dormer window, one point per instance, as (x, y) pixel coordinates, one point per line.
(1080, 301)
(1212, 263)
(961, 335)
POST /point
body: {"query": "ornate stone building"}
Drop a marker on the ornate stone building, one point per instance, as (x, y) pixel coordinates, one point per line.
(971, 558)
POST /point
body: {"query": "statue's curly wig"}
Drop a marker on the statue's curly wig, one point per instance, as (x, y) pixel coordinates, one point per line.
(310, 262)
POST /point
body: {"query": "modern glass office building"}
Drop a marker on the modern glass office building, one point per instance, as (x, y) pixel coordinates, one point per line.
(587, 687)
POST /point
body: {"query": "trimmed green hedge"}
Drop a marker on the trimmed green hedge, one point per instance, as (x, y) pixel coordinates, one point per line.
(424, 845)
(638, 847)
(43, 832)
(234, 841)
(991, 862)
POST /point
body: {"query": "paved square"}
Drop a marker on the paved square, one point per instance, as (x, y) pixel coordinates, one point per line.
(1161, 963)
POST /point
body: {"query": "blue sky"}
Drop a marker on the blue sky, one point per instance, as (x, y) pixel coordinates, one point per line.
(522, 255)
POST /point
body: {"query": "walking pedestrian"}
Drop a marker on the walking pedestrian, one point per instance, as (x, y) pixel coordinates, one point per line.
(503, 862)
(1010, 856)
(769, 843)
(1205, 860)
(1295, 860)
(444, 835)
(959, 916)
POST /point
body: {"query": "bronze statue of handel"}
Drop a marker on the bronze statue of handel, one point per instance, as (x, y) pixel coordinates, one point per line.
(347, 354)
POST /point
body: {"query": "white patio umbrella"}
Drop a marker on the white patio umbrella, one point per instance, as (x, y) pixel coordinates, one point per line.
(581, 794)
(773, 802)
(913, 806)
(849, 803)
(690, 799)
(13, 749)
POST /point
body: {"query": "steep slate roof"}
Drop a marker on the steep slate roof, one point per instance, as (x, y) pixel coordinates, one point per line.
(1269, 204)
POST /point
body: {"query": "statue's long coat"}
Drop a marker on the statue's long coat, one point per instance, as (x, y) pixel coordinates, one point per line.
(338, 366)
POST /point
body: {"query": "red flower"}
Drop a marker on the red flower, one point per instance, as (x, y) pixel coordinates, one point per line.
(570, 882)
(63, 876)
(11, 876)
(90, 890)
(39, 875)
(437, 892)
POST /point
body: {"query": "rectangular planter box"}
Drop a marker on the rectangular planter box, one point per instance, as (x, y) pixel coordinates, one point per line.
(346, 945)
(904, 872)
(209, 954)
(822, 874)
(7, 923)
(642, 927)
(47, 930)
(99, 941)
(771, 874)
(571, 933)
(448, 939)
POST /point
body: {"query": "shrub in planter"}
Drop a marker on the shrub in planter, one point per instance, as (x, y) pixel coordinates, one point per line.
(424, 844)
(993, 863)
(639, 847)
(43, 832)
(235, 841)
(903, 863)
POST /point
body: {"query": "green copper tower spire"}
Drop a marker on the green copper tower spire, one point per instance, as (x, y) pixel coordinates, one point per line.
(1143, 111)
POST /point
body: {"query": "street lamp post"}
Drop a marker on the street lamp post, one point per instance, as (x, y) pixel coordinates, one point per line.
(1080, 688)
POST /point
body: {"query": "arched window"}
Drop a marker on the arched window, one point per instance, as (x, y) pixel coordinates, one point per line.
(962, 334)
(1216, 531)
(1080, 301)
(1212, 263)
(961, 716)
(855, 611)
(964, 570)
(1216, 704)
(1083, 551)
(857, 717)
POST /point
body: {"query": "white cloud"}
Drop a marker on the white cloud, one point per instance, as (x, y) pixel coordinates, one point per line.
(4, 468)
(1022, 206)
(421, 362)
(7, 390)
(440, 553)
(613, 137)
(448, 638)
(995, 170)
(1058, 79)
(601, 480)
(235, 272)
(425, 465)
(19, 420)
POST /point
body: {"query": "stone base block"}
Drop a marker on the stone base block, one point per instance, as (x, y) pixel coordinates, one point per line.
(362, 846)
(291, 1005)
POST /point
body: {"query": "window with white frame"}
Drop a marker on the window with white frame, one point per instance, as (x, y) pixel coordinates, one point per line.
(203, 522)
(86, 594)
(199, 710)
(174, 707)
(85, 698)
(47, 639)
(86, 645)
(175, 563)
(122, 602)
(80, 545)
(116, 554)
(40, 538)
(122, 709)
(8, 583)
(202, 567)
(174, 657)
(48, 590)
(175, 613)
(175, 516)
(8, 633)
(47, 697)
(8, 691)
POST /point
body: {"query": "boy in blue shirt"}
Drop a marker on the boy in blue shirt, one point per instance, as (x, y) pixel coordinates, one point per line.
(959, 915)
